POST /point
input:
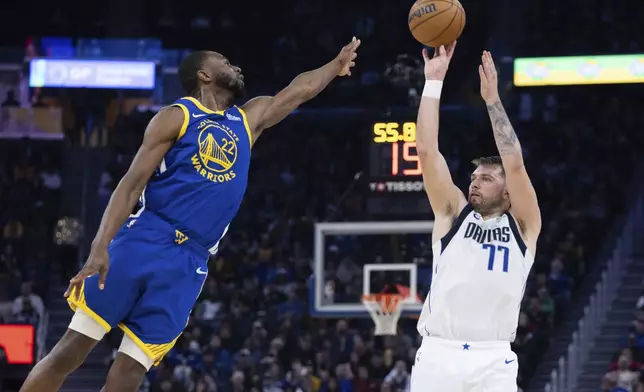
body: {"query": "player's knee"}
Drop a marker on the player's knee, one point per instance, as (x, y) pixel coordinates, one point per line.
(127, 373)
(135, 354)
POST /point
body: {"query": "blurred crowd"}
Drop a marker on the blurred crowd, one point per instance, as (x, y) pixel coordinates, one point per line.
(30, 183)
(626, 370)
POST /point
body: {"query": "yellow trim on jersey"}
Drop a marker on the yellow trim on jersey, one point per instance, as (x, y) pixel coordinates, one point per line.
(246, 125)
(201, 107)
(186, 119)
(155, 351)
(82, 305)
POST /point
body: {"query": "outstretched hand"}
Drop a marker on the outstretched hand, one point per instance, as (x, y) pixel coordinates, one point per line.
(436, 67)
(489, 79)
(347, 57)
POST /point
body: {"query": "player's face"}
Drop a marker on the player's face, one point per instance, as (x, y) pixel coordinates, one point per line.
(487, 189)
(226, 75)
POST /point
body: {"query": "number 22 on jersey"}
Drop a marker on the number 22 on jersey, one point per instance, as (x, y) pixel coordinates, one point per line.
(493, 250)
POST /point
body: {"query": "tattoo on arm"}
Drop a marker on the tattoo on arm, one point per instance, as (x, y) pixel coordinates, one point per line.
(506, 140)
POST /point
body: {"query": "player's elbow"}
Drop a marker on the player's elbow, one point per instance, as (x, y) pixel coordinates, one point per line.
(131, 186)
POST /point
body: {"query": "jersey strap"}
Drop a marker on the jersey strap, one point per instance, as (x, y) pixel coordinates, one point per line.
(455, 226)
(517, 234)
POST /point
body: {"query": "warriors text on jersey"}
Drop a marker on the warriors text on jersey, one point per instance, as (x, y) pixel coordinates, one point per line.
(480, 270)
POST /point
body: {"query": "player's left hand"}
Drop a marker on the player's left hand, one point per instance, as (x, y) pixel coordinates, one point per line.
(98, 262)
(489, 79)
(347, 57)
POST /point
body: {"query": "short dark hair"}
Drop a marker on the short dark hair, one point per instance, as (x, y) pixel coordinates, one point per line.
(188, 70)
(485, 161)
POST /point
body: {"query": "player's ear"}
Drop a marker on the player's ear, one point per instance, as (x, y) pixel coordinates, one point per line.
(203, 76)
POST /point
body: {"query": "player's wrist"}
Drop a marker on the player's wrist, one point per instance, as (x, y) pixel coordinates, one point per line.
(99, 243)
(433, 88)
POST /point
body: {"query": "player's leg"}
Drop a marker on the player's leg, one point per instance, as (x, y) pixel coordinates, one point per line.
(96, 312)
(129, 368)
(159, 317)
(67, 355)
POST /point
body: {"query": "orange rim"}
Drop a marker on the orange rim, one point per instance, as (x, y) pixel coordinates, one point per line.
(388, 302)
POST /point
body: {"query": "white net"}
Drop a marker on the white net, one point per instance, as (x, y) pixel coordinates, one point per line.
(385, 310)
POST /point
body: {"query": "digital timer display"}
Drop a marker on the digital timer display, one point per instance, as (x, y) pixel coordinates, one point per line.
(392, 132)
(393, 150)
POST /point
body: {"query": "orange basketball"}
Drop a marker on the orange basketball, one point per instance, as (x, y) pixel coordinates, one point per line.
(436, 22)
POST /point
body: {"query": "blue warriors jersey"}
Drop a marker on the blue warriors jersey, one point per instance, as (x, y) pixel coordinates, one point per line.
(201, 181)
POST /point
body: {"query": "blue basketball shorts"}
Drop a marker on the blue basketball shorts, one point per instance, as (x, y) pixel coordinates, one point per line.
(156, 275)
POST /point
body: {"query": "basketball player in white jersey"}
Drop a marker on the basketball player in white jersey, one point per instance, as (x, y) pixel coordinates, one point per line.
(483, 247)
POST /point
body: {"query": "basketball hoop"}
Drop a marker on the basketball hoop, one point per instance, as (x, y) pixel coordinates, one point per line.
(385, 311)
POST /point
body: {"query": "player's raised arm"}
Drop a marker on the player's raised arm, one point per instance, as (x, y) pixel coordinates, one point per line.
(264, 112)
(445, 198)
(523, 198)
(160, 134)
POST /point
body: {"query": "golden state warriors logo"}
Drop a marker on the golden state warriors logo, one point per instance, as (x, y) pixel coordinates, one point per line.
(217, 152)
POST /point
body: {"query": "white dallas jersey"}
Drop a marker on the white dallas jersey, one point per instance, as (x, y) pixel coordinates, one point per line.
(479, 275)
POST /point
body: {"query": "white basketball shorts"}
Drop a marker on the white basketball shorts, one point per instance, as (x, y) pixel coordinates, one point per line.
(455, 366)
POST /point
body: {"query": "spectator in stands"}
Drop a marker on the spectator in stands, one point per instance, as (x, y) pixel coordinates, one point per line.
(636, 335)
(11, 100)
(609, 384)
(640, 302)
(626, 354)
(625, 378)
(399, 377)
(28, 306)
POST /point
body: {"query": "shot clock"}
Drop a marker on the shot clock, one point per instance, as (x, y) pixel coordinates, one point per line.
(394, 145)
(392, 151)
(395, 179)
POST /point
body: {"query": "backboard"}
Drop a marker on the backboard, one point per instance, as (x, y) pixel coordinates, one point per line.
(356, 258)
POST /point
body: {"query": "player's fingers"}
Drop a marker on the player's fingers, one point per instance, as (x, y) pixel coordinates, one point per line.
(351, 64)
(492, 65)
(354, 55)
(450, 50)
(490, 60)
(486, 65)
(491, 68)
(68, 291)
(77, 290)
(102, 275)
(482, 74)
(356, 44)
(441, 51)
(425, 55)
(85, 272)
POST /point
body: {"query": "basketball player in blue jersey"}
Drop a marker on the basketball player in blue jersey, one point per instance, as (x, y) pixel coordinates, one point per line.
(190, 176)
